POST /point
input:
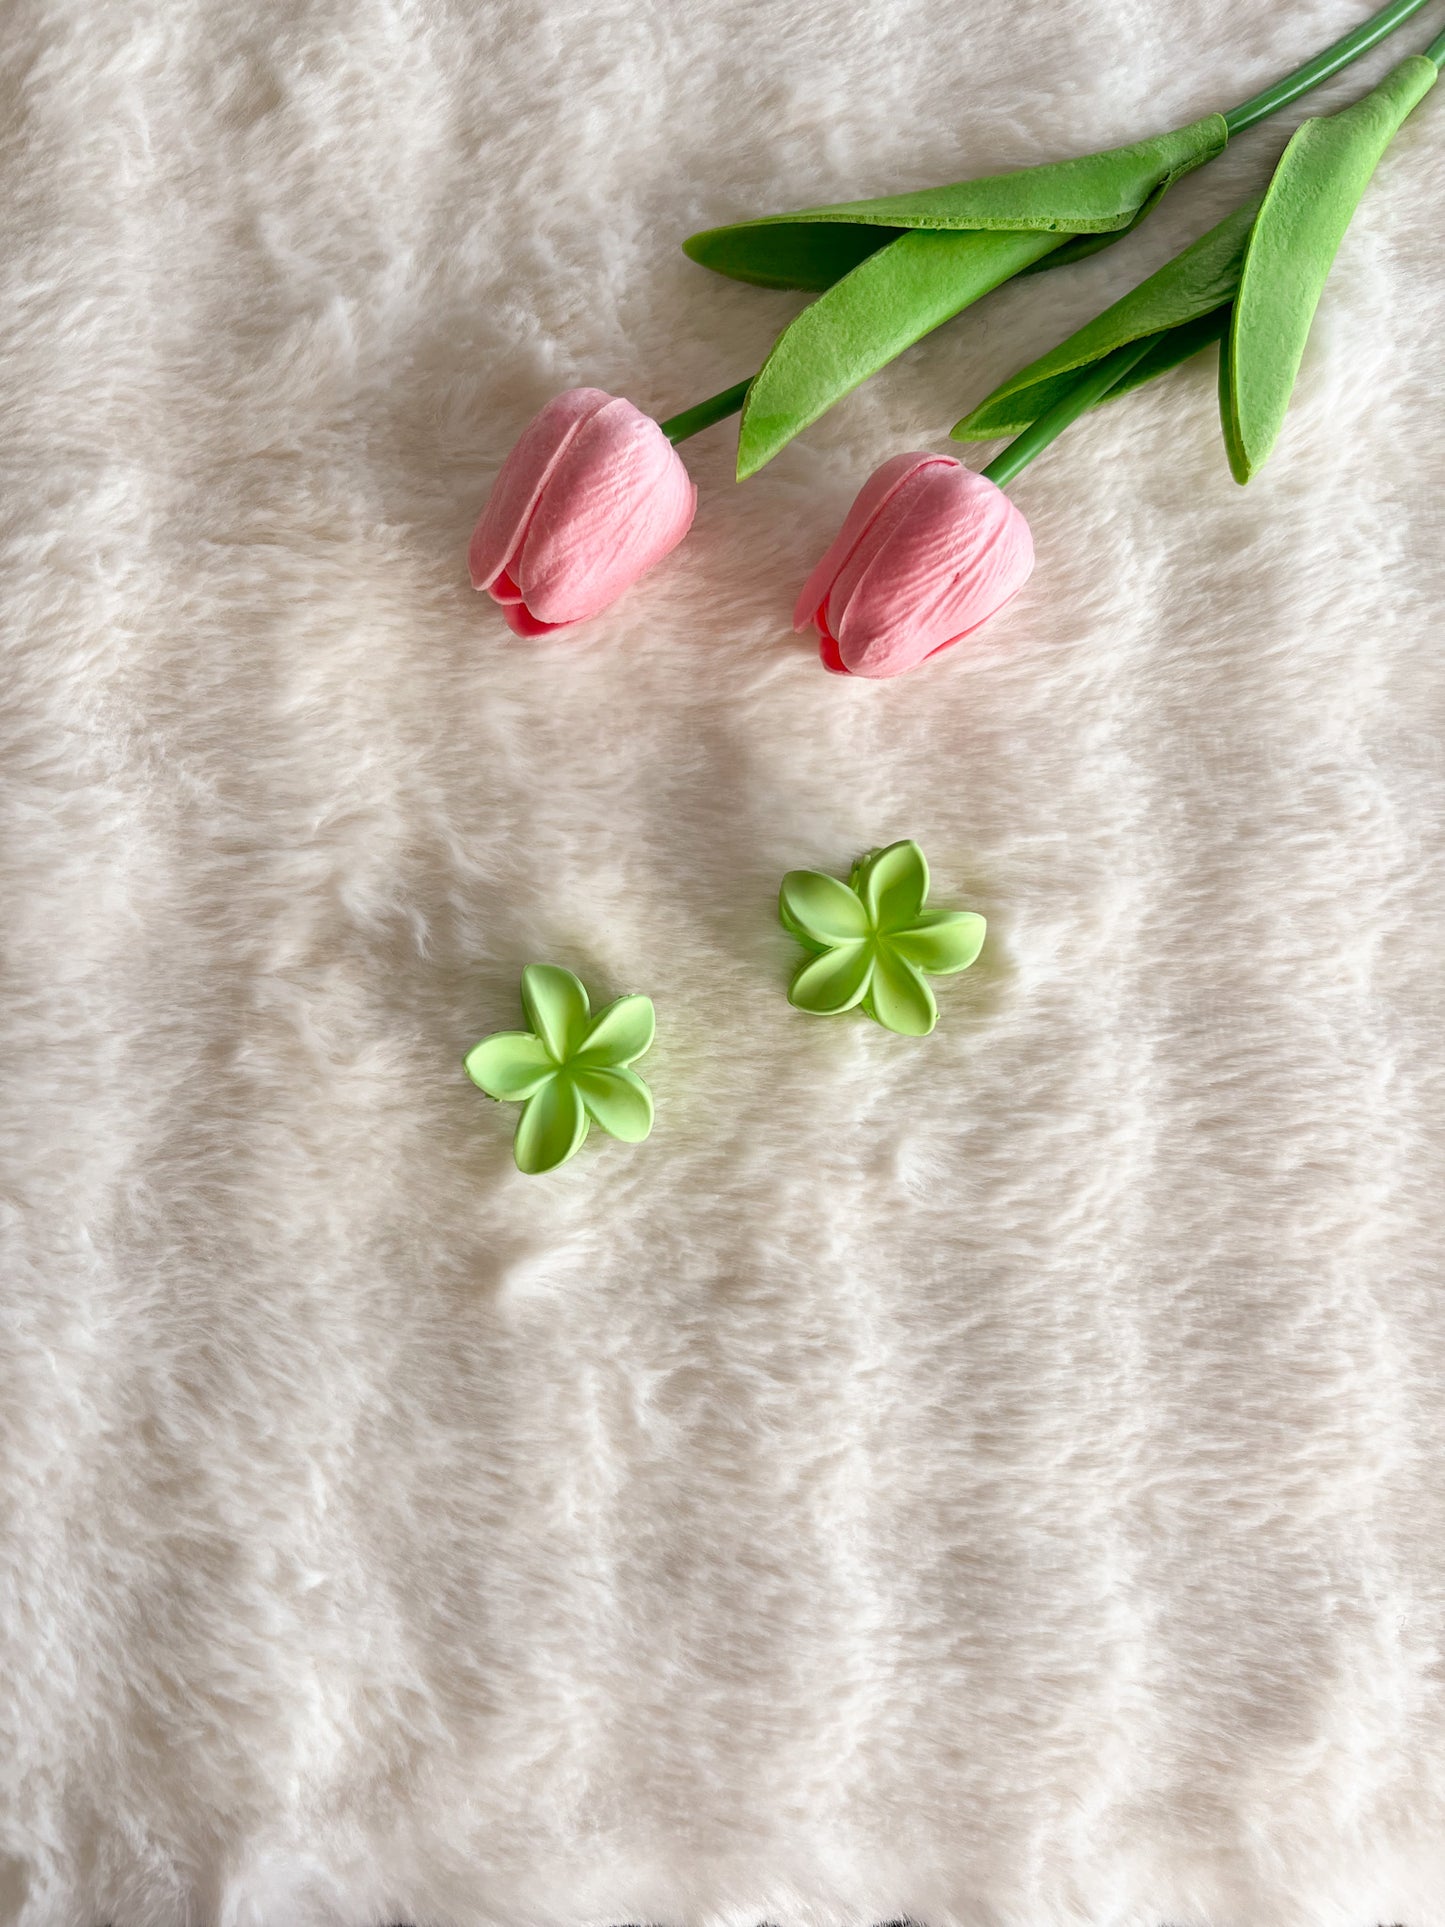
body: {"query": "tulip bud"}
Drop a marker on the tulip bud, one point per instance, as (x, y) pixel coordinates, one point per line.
(592, 496)
(929, 550)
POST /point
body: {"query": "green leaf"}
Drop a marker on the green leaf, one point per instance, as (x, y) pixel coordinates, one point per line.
(833, 982)
(899, 998)
(510, 1065)
(1191, 338)
(789, 253)
(551, 1128)
(619, 1101)
(1306, 210)
(1083, 245)
(961, 241)
(1195, 286)
(557, 1008)
(942, 941)
(893, 883)
(819, 910)
(862, 323)
(620, 1035)
(1095, 194)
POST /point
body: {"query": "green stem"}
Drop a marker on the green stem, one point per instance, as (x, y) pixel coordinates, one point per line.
(1365, 36)
(1096, 384)
(1436, 51)
(717, 408)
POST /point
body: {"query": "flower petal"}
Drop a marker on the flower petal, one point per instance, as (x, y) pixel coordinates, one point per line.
(526, 626)
(833, 982)
(557, 1008)
(894, 884)
(941, 941)
(551, 1128)
(619, 1101)
(868, 504)
(820, 909)
(523, 476)
(619, 1035)
(510, 1065)
(828, 652)
(899, 998)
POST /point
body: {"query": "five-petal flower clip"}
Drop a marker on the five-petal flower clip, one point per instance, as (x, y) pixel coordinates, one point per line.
(569, 1068)
(873, 941)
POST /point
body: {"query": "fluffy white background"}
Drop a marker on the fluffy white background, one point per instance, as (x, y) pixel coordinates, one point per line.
(996, 1479)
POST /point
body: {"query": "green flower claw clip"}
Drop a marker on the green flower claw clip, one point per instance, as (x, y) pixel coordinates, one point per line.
(873, 940)
(569, 1068)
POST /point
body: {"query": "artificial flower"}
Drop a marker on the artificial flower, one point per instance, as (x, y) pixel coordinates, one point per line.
(929, 550)
(873, 941)
(569, 1068)
(592, 496)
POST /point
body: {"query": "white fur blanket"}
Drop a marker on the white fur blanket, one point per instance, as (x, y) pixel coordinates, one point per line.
(998, 1480)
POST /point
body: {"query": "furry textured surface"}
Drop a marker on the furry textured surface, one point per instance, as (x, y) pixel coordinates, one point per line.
(996, 1479)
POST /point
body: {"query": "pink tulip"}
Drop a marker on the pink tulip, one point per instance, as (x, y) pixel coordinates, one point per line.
(591, 497)
(929, 550)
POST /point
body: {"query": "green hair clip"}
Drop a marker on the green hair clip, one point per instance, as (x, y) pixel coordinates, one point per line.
(569, 1068)
(873, 942)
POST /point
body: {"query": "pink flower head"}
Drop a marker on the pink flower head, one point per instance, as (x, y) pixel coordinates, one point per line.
(929, 550)
(589, 499)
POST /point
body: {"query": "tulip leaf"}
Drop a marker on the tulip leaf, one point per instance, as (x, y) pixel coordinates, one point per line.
(1179, 344)
(811, 255)
(789, 252)
(958, 243)
(867, 318)
(1194, 288)
(1098, 194)
(1083, 245)
(1306, 210)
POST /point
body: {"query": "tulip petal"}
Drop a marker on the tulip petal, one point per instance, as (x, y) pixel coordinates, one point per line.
(519, 484)
(821, 910)
(617, 501)
(920, 508)
(828, 653)
(619, 1101)
(941, 941)
(894, 885)
(868, 504)
(556, 1007)
(835, 981)
(551, 1128)
(527, 626)
(619, 1035)
(510, 1065)
(899, 998)
(949, 551)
